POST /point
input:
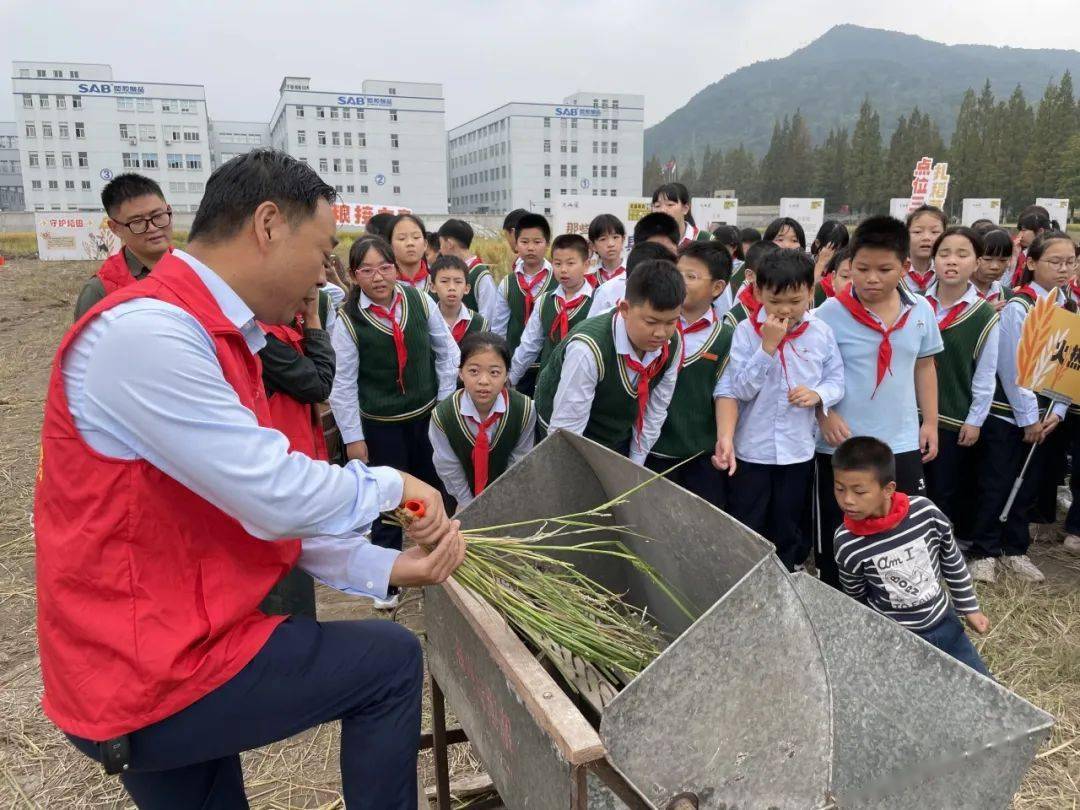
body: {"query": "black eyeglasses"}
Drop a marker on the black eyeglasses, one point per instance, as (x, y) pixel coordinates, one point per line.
(142, 224)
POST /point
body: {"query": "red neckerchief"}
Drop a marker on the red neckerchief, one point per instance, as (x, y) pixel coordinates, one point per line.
(827, 286)
(686, 240)
(1074, 287)
(602, 275)
(1028, 291)
(697, 326)
(861, 314)
(528, 288)
(749, 302)
(459, 329)
(561, 324)
(399, 336)
(950, 317)
(990, 296)
(898, 510)
(921, 279)
(1021, 263)
(784, 341)
(475, 261)
(645, 376)
(421, 274)
(482, 448)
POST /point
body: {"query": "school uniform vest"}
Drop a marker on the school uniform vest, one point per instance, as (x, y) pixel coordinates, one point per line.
(820, 296)
(515, 298)
(690, 427)
(1000, 404)
(548, 312)
(474, 276)
(447, 416)
(299, 421)
(148, 594)
(737, 314)
(477, 323)
(325, 302)
(380, 397)
(614, 405)
(964, 340)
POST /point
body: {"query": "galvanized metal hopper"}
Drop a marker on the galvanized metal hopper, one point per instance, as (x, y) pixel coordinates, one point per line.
(782, 693)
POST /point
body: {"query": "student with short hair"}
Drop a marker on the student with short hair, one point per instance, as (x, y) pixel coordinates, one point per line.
(749, 236)
(925, 224)
(508, 228)
(612, 379)
(484, 427)
(737, 304)
(450, 286)
(141, 219)
(531, 277)
(837, 277)
(557, 311)
(893, 551)
(607, 237)
(689, 432)
(431, 251)
(455, 239)
(784, 364)
(673, 199)
(379, 225)
(611, 292)
(408, 238)
(983, 226)
(888, 338)
(659, 227)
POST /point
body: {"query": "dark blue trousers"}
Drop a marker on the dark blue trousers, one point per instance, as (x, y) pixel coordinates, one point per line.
(948, 636)
(367, 674)
(772, 499)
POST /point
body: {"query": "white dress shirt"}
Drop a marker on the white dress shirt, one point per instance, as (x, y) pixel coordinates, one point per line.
(501, 320)
(487, 295)
(345, 393)
(143, 381)
(770, 429)
(693, 341)
(608, 295)
(337, 298)
(463, 314)
(532, 339)
(725, 301)
(577, 389)
(1025, 406)
(447, 464)
(982, 381)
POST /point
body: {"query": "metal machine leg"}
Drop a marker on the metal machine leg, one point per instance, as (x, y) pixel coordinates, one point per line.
(439, 747)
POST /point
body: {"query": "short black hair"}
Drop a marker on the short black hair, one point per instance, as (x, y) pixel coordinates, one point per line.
(882, 233)
(932, 210)
(459, 230)
(379, 225)
(959, 230)
(749, 235)
(779, 224)
(510, 220)
(603, 224)
(432, 241)
(713, 255)
(529, 220)
(983, 226)
(727, 235)
(785, 269)
(647, 251)
(865, 453)
(398, 219)
(126, 187)
(657, 283)
(997, 244)
(836, 234)
(1035, 218)
(448, 263)
(571, 241)
(757, 252)
(477, 342)
(657, 223)
(241, 185)
(838, 258)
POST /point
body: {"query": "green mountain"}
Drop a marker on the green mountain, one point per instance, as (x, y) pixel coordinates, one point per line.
(829, 78)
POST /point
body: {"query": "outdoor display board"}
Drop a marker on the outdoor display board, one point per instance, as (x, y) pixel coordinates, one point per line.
(807, 211)
(356, 215)
(898, 207)
(974, 208)
(74, 235)
(1058, 208)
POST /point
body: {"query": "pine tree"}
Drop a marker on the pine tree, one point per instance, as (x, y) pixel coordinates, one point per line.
(652, 175)
(799, 157)
(1016, 120)
(740, 172)
(831, 161)
(1041, 167)
(687, 174)
(772, 165)
(866, 190)
(1070, 170)
(965, 149)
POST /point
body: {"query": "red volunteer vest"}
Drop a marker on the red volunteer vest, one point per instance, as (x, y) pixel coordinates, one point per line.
(297, 420)
(147, 594)
(115, 273)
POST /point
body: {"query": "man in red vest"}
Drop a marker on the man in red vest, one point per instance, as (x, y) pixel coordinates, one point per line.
(167, 508)
(142, 221)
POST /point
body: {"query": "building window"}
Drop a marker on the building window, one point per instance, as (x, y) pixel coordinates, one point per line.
(41, 74)
(320, 112)
(69, 185)
(85, 185)
(596, 147)
(299, 111)
(614, 171)
(349, 165)
(547, 146)
(393, 115)
(603, 171)
(614, 148)
(361, 139)
(350, 189)
(43, 102)
(28, 101)
(301, 137)
(562, 170)
(125, 104)
(193, 161)
(61, 102)
(547, 193)
(363, 190)
(80, 130)
(24, 73)
(547, 122)
(172, 160)
(392, 91)
(65, 160)
(84, 160)
(614, 123)
(393, 140)
(149, 160)
(603, 147)
(337, 165)
(573, 170)
(361, 166)
(324, 165)
(54, 185)
(333, 112)
(395, 167)
(76, 102)
(562, 147)
(125, 131)
(191, 135)
(31, 130)
(35, 185)
(335, 138)
(73, 74)
(346, 113)
(348, 138)
(321, 138)
(144, 104)
(32, 160)
(195, 188)
(186, 106)
(130, 160)
(50, 160)
(397, 189)
(46, 130)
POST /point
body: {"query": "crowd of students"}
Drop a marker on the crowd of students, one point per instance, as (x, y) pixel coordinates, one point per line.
(855, 402)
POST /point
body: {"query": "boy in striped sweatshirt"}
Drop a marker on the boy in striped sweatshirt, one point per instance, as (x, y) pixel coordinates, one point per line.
(892, 550)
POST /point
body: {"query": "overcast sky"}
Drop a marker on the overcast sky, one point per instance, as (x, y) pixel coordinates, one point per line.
(484, 53)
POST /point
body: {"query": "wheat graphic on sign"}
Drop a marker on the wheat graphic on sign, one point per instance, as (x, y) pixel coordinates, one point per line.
(1036, 345)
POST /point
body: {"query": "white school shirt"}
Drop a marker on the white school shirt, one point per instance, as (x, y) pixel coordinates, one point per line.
(501, 320)
(577, 389)
(993, 295)
(337, 298)
(608, 295)
(463, 314)
(345, 394)
(447, 464)
(693, 341)
(486, 293)
(532, 339)
(770, 429)
(982, 381)
(724, 302)
(1025, 406)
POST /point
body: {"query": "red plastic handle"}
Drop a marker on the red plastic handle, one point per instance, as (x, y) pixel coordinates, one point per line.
(414, 508)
